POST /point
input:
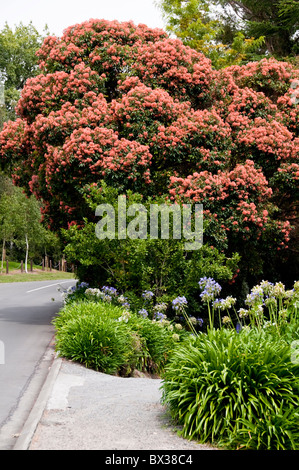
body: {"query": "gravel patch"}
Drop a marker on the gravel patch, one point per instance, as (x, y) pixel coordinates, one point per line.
(88, 410)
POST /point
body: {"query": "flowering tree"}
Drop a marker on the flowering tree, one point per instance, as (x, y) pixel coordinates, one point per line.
(127, 105)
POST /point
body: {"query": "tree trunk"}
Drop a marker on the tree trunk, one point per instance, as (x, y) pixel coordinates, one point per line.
(3, 253)
(279, 44)
(27, 250)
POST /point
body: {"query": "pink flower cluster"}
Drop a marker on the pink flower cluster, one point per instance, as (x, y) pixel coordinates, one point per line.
(270, 140)
(269, 76)
(44, 93)
(237, 199)
(179, 69)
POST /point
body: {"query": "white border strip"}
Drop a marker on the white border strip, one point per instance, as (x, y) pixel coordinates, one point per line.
(45, 287)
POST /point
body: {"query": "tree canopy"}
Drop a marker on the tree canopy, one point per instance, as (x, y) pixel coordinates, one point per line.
(20, 224)
(128, 106)
(18, 62)
(277, 20)
(230, 31)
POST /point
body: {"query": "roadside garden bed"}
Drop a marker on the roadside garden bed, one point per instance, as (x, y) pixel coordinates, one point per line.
(236, 386)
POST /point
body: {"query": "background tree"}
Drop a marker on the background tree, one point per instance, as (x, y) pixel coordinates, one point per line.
(231, 31)
(18, 62)
(20, 225)
(276, 20)
(7, 226)
(28, 229)
(199, 25)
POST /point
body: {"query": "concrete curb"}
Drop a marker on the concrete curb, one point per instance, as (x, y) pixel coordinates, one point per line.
(29, 428)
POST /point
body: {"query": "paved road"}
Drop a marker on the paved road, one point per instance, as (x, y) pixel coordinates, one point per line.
(26, 311)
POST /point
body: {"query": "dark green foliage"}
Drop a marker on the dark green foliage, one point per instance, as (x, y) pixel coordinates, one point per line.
(218, 23)
(158, 342)
(134, 265)
(237, 390)
(18, 62)
(101, 345)
(106, 338)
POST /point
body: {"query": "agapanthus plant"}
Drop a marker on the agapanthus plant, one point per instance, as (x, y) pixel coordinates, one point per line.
(271, 304)
(224, 305)
(179, 305)
(210, 290)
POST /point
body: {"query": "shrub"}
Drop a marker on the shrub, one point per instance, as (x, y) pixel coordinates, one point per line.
(238, 390)
(83, 307)
(99, 342)
(134, 265)
(108, 338)
(159, 342)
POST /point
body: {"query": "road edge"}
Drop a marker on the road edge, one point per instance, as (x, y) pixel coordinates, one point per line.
(24, 440)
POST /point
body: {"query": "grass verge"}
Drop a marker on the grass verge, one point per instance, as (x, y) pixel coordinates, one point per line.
(36, 275)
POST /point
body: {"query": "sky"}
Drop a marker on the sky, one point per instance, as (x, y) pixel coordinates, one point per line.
(59, 14)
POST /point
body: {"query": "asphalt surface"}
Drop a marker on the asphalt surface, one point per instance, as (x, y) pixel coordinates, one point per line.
(26, 311)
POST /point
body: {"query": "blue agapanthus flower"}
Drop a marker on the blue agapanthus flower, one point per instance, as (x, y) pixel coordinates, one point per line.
(219, 303)
(110, 291)
(82, 285)
(210, 288)
(159, 316)
(179, 303)
(148, 295)
(143, 312)
(126, 305)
